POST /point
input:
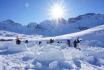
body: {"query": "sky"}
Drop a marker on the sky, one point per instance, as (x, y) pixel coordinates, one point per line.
(26, 11)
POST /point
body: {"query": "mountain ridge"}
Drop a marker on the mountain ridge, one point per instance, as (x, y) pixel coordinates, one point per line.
(52, 28)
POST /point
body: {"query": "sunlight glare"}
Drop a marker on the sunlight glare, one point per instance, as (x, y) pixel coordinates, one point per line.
(57, 11)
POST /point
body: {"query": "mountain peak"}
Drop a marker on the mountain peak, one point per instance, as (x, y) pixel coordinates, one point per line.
(8, 21)
(84, 16)
(51, 27)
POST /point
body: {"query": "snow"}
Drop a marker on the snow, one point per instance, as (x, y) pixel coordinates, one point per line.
(55, 56)
(52, 28)
(50, 58)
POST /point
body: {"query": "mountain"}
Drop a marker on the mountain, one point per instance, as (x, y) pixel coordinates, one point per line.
(53, 28)
(10, 25)
(33, 56)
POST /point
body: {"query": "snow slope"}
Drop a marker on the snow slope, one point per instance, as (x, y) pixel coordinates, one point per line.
(55, 56)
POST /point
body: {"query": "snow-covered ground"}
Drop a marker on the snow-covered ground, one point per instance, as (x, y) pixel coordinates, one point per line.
(55, 56)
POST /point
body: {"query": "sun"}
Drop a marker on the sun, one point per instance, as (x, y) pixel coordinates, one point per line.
(57, 11)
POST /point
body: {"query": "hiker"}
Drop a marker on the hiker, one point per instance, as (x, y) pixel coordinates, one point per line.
(58, 42)
(26, 41)
(76, 41)
(40, 42)
(51, 40)
(68, 42)
(18, 41)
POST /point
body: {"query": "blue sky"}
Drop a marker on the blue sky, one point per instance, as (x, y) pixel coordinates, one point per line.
(25, 11)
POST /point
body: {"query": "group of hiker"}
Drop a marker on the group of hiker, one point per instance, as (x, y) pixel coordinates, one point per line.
(75, 43)
(68, 42)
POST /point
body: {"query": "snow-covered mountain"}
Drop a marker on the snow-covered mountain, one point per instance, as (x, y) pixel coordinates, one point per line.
(10, 25)
(53, 28)
(55, 56)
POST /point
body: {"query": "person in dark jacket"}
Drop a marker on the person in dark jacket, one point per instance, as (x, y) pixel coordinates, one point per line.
(75, 43)
(51, 40)
(58, 42)
(26, 41)
(68, 42)
(40, 42)
(18, 41)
